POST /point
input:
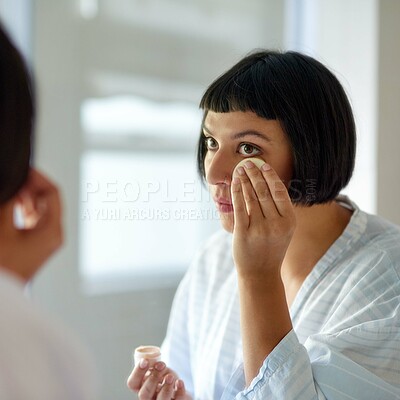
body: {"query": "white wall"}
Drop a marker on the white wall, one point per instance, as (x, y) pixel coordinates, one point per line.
(16, 15)
(388, 101)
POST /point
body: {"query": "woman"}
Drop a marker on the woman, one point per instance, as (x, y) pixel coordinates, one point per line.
(299, 297)
(39, 359)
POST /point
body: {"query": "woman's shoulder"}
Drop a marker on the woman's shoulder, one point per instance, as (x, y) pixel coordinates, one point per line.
(371, 234)
(375, 256)
(383, 236)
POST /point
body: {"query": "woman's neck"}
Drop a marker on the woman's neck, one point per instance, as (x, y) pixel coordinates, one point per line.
(317, 229)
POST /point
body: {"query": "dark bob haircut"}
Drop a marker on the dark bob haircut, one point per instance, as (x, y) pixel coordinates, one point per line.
(16, 119)
(312, 107)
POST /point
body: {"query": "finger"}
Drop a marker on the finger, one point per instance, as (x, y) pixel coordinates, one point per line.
(240, 215)
(28, 212)
(48, 207)
(137, 375)
(180, 391)
(147, 374)
(250, 197)
(261, 189)
(167, 390)
(150, 386)
(278, 191)
(46, 201)
(42, 191)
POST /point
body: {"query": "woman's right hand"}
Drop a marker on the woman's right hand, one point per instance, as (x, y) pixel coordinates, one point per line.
(156, 383)
(24, 250)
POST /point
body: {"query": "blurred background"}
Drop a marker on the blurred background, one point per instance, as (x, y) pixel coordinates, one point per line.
(118, 85)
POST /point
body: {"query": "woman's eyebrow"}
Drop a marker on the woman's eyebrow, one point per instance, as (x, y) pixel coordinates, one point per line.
(241, 135)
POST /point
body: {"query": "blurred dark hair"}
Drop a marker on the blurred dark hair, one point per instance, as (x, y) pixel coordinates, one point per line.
(310, 104)
(16, 119)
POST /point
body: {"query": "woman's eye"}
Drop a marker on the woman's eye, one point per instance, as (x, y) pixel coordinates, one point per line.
(211, 143)
(248, 149)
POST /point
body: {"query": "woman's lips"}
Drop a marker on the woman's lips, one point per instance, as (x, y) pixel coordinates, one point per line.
(224, 205)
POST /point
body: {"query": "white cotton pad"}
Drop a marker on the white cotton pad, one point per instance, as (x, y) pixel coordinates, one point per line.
(151, 353)
(256, 161)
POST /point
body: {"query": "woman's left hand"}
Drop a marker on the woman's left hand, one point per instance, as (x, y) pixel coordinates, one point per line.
(264, 221)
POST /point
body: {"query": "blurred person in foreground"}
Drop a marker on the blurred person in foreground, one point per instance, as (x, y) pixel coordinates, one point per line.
(39, 359)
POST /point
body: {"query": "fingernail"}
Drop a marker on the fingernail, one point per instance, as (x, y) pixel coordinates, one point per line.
(266, 167)
(144, 363)
(240, 171)
(179, 384)
(169, 379)
(159, 366)
(249, 164)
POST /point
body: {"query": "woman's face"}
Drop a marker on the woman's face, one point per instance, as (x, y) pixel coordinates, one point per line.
(231, 137)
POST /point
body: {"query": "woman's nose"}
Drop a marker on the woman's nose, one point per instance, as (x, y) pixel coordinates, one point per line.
(219, 168)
